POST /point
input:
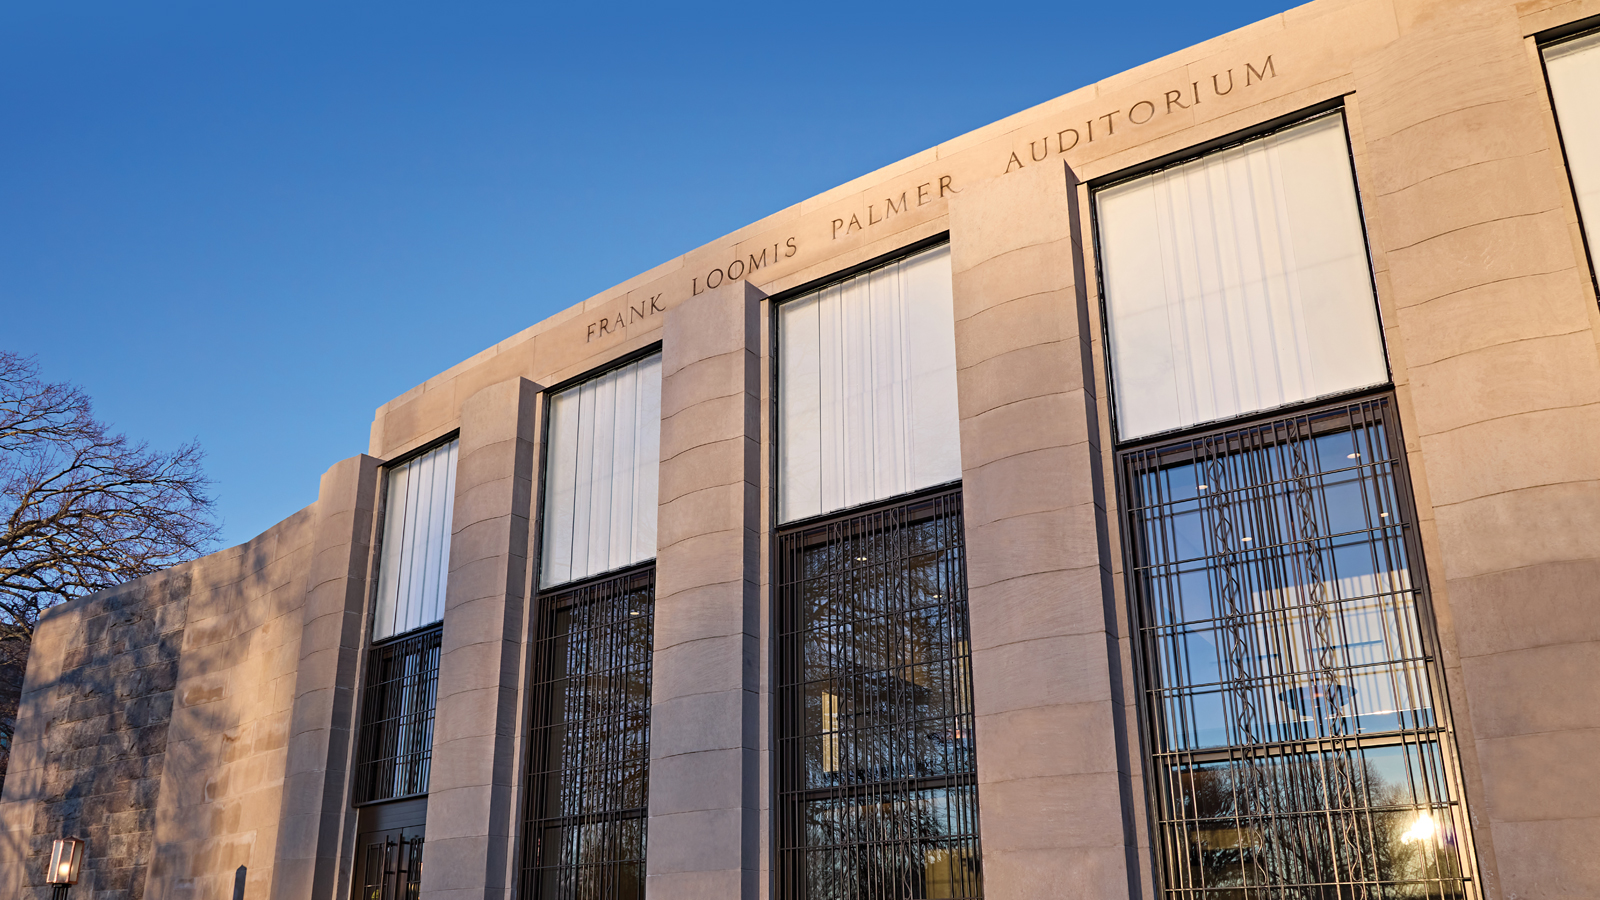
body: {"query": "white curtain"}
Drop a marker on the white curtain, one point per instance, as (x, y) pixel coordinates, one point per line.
(416, 542)
(867, 388)
(1574, 69)
(601, 468)
(1238, 282)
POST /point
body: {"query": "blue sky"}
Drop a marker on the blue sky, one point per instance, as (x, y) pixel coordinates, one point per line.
(252, 224)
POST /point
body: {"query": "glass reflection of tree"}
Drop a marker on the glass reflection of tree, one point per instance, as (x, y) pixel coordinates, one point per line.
(888, 716)
(1404, 851)
(900, 847)
(591, 829)
(888, 657)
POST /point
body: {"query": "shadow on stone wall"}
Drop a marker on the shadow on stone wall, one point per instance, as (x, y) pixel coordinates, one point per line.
(104, 734)
(155, 727)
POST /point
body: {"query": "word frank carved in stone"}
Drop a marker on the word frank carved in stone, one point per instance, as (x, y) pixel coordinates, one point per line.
(742, 268)
(629, 313)
(925, 193)
(1141, 113)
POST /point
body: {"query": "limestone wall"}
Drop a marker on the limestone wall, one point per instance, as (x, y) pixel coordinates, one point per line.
(92, 738)
(159, 716)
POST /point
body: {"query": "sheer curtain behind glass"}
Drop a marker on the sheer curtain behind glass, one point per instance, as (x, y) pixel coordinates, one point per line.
(1238, 282)
(416, 542)
(1574, 69)
(600, 478)
(867, 388)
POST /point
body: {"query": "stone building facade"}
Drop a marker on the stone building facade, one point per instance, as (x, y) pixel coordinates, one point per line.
(1186, 487)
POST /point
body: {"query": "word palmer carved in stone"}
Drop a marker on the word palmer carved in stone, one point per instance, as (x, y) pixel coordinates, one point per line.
(1143, 112)
(925, 193)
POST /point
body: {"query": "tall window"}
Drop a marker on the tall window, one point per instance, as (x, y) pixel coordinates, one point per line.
(1289, 683)
(394, 739)
(1574, 70)
(876, 774)
(588, 765)
(1238, 282)
(1298, 742)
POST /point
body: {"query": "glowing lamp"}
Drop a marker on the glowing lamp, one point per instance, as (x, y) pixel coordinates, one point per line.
(66, 861)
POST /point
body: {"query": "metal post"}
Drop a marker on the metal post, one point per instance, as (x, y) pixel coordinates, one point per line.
(238, 883)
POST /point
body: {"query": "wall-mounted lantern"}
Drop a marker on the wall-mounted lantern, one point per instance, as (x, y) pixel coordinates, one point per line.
(66, 862)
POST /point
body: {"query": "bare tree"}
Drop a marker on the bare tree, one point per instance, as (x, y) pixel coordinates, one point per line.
(81, 509)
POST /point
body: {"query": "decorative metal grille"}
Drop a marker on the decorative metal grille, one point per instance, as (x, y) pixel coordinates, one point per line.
(395, 744)
(588, 768)
(1291, 707)
(877, 784)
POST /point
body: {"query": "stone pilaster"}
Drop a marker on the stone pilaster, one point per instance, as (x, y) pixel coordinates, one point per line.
(472, 794)
(705, 798)
(1491, 335)
(316, 792)
(1054, 772)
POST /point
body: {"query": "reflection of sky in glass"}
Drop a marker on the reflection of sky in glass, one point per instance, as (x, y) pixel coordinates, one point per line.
(1281, 622)
(1367, 676)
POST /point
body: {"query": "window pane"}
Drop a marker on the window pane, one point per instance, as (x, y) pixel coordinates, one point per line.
(1238, 282)
(1288, 687)
(600, 477)
(1574, 69)
(589, 767)
(418, 503)
(394, 749)
(867, 388)
(1403, 836)
(876, 746)
(922, 844)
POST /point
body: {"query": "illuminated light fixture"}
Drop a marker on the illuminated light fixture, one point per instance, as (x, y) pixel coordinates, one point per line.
(1423, 829)
(66, 863)
(1246, 540)
(861, 559)
(1383, 515)
(1204, 486)
(1353, 456)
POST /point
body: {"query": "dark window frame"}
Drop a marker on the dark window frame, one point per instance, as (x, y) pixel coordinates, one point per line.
(1187, 446)
(546, 601)
(789, 790)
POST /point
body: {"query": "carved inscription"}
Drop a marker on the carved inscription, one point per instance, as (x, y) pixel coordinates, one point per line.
(1143, 112)
(743, 268)
(623, 317)
(925, 193)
